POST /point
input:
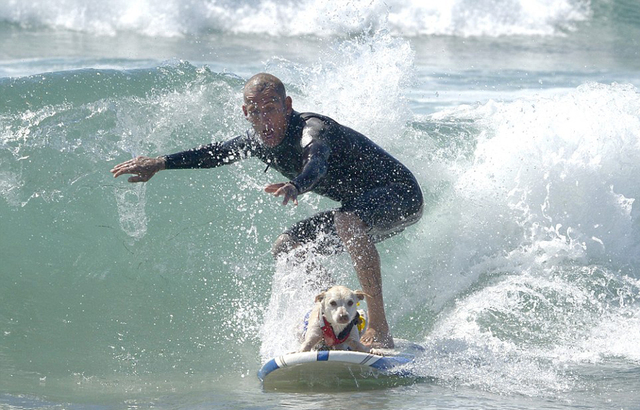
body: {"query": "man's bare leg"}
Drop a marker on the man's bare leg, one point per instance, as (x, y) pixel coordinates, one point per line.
(366, 262)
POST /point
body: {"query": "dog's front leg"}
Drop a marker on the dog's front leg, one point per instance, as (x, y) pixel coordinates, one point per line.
(357, 346)
(312, 339)
(354, 342)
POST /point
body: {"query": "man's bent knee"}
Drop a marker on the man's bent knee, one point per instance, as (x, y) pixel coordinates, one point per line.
(349, 226)
(283, 244)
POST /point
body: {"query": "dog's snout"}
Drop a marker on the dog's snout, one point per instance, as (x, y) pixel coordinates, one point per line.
(343, 317)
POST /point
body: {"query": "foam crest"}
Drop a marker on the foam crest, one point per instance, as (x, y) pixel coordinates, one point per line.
(550, 182)
(519, 333)
(532, 255)
(490, 339)
(360, 83)
(486, 18)
(303, 17)
(100, 17)
(564, 168)
(298, 278)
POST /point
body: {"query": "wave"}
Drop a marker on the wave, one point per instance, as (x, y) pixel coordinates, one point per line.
(526, 262)
(303, 17)
(531, 228)
(77, 87)
(533, 251)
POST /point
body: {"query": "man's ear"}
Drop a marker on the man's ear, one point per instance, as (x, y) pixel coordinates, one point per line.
(288, 104)
(320, 297)
(244, 110)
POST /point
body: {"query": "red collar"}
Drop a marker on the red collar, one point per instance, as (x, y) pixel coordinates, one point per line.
(330, 337)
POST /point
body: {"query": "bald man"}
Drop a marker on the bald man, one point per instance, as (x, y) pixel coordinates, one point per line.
(379, 196)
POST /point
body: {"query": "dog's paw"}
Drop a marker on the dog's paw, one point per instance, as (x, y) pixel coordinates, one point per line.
(377, 352)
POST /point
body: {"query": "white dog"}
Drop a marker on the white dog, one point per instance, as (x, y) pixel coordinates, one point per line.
(334, 320)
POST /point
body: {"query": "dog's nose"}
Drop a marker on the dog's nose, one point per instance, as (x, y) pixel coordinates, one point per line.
(343, 318)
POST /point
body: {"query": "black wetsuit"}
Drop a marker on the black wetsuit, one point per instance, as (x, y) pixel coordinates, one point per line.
(319, 155)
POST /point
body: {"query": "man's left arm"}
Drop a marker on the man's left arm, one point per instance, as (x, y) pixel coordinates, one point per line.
(315, 166)
(315, 154)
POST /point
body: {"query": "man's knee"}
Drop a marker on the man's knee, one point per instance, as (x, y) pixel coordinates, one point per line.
(283, 244)
(349, 226)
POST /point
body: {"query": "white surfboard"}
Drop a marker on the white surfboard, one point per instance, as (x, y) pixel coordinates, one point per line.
(339, 369)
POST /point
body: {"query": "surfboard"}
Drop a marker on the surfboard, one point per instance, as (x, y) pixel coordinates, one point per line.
(341, 370)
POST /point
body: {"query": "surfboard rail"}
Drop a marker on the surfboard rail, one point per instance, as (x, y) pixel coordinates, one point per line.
(380, 363)
(334, 370)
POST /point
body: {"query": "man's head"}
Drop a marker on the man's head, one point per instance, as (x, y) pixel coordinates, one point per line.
(267, 108)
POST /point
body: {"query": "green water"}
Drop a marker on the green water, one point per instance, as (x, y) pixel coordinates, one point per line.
(520, 280)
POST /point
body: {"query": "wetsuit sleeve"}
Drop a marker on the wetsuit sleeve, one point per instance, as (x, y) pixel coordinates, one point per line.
(315, 157)
(209, 156)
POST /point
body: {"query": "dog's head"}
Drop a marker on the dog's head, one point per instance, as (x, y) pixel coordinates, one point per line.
(339, 304)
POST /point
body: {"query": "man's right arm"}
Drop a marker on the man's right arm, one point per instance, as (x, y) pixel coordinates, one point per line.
(142, 167)
(207, 156)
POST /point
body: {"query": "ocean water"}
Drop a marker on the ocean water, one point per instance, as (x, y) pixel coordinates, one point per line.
(520, 119)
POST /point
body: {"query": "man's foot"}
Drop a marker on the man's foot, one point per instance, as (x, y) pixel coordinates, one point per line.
(377, 340)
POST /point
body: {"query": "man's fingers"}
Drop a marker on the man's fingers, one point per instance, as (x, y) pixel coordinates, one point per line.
(287, 196)
(118, 172)
(126, 170)
(143, 167)
(273, 188)
(283, 189)
(139, 178)
(127, 167)
(280, 192)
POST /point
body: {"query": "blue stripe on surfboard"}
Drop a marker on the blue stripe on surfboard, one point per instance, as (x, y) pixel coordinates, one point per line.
(268, 367)
(391, 364)
(323, 355)
(386, 363)
(394, 365)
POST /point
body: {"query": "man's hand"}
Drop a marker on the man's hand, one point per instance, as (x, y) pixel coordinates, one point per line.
(286, 189)
(143, 168)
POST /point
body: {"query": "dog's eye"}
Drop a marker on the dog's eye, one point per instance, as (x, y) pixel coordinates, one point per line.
(333, 303)
(350, 303)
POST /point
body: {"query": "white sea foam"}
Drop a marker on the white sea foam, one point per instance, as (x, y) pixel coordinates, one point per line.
(550, 180)
(360, 83)
(531, 231)
(532, 255)
(302, 17)
(131, 201)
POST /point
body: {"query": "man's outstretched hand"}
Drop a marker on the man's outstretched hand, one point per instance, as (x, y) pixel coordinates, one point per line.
(143, 168)
(286, 189)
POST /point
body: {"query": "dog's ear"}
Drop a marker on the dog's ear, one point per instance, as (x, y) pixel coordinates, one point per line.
(360, 294)
(320, 297)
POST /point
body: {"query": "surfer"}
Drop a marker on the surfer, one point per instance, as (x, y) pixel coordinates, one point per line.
(379, 196)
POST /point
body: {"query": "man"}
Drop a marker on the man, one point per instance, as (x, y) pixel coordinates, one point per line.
(379, 196)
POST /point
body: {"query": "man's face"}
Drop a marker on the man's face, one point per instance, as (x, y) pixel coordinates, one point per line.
(268, 115)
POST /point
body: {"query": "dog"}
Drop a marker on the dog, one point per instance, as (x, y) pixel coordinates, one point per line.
(334, 320)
